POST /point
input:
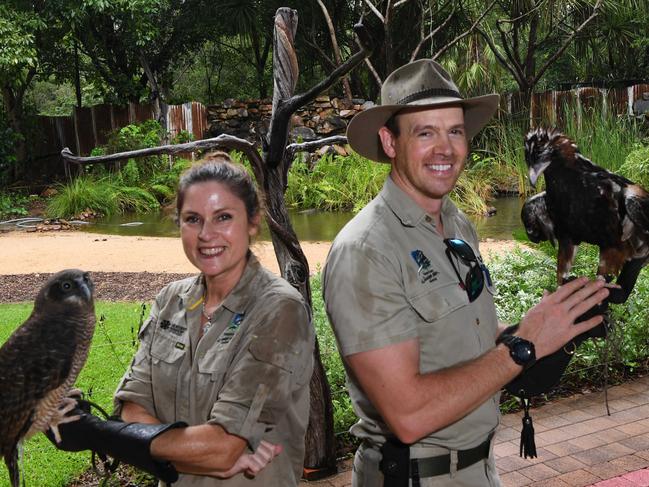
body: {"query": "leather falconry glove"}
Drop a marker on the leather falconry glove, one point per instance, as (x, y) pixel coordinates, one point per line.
(126, 442)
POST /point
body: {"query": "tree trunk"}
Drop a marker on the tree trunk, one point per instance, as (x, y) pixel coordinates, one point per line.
(347, 89)
(320, 440)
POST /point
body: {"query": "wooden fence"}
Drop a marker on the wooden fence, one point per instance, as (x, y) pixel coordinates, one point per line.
(89, 127)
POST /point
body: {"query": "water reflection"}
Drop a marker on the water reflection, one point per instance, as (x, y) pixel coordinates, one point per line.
(309, 225)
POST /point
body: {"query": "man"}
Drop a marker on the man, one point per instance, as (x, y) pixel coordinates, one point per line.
(411, 302)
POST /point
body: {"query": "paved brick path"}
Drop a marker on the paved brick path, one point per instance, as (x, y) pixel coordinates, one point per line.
(578, 443)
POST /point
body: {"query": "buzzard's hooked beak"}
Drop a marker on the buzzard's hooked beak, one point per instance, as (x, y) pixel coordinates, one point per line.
(535, 171)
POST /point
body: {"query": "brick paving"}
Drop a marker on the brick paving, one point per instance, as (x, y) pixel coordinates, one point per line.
(578, 444)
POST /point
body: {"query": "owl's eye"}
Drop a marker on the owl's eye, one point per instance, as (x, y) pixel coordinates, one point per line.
(66, 286)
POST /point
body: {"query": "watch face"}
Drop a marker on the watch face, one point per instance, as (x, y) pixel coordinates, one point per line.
(523, 351)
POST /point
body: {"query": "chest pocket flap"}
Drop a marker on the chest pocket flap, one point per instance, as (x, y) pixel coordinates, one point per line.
(213, 362)
(167, 349)
(438, 302)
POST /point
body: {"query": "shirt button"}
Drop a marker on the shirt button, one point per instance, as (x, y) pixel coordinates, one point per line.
(477, 321)
(428, 218)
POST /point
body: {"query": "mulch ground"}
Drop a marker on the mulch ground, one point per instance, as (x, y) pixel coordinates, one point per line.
(109, 286)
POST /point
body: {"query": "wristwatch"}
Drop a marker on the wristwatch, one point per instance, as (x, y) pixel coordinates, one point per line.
(520, 350)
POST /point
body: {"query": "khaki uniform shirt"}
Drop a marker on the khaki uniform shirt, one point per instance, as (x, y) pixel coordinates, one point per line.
(387, 280)
(249, 372)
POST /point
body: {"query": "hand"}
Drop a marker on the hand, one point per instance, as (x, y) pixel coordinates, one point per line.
(551, 323)
(251, 464)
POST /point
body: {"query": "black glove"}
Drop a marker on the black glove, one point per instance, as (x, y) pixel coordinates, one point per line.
(547, 371)
(126, 442)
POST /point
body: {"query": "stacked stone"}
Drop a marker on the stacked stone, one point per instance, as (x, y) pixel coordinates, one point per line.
(248, 119)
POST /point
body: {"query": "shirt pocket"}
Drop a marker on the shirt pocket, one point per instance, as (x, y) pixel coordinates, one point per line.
(166, 351)
(436, 303)
(445, 330)
(211, 363)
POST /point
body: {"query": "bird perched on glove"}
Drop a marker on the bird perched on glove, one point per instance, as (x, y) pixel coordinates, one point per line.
(586, 203)
(41, 360)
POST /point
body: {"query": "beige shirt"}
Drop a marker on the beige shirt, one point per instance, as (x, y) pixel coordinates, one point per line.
(387, 280)
(249, 372)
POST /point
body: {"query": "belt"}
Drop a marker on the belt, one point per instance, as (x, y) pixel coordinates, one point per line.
(441, 465)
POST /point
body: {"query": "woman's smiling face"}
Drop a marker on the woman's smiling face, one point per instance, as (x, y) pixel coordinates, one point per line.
(215, 230)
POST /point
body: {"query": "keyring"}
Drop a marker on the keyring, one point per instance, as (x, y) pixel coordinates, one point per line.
(571, 352)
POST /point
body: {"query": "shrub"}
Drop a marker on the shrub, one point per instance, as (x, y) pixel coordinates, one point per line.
(636, 166)
(106, 196)
(13, 205)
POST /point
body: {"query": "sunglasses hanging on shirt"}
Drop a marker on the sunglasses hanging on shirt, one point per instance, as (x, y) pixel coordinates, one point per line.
(473, 283)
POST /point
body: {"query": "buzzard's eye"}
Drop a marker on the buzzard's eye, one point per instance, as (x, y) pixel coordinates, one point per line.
(66, 286)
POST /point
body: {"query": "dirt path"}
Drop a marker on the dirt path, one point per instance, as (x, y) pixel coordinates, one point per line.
(27, 253)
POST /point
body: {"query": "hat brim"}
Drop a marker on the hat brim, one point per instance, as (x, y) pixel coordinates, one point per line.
(363, 129)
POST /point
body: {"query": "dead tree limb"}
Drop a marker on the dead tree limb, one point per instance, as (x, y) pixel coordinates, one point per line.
(312, 145)
(284, 107)
(223, 141)
(336, 48)
(320, 438)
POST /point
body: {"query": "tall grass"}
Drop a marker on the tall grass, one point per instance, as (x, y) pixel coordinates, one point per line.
(106, 196)
(335, 183)
(604, 138)
(349, 183)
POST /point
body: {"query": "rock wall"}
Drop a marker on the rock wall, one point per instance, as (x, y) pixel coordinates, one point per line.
(248, 118)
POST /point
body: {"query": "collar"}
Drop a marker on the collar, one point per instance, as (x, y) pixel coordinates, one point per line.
(406, 210)
(238, 299)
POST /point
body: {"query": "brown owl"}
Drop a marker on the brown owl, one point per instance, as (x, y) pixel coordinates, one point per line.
(41, 360)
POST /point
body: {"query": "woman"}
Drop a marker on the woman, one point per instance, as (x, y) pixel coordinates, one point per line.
(229, 352)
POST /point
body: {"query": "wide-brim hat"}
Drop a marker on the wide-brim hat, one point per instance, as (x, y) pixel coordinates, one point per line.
(420, 84)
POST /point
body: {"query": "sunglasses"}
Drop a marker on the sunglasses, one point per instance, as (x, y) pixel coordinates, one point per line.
(473, 283)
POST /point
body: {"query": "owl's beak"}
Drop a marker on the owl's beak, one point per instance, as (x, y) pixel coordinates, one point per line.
(87, 287)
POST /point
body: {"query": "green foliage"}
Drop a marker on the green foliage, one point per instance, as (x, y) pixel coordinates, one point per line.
(18, 50)
(79, 195)
(636, 166)
(139, 186)
(349, 183)
(603, 138)
(344, 415)
(522, 275)
(13, 205)
(105, 196)
(335, 183)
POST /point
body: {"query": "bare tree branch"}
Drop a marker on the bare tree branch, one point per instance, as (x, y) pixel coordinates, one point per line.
(223, 141)
(431, 35)
(375, 11)
(465, 33)
(566, 43)
(523, 15)
(499, 56)
(334, 42)
(312, 145)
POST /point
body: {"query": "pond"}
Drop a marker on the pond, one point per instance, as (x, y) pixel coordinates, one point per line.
(309, 225)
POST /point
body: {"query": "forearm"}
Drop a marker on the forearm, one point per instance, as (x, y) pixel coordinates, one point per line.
(414, 405)
(438, 399)
(202, 450)
(135, 413)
